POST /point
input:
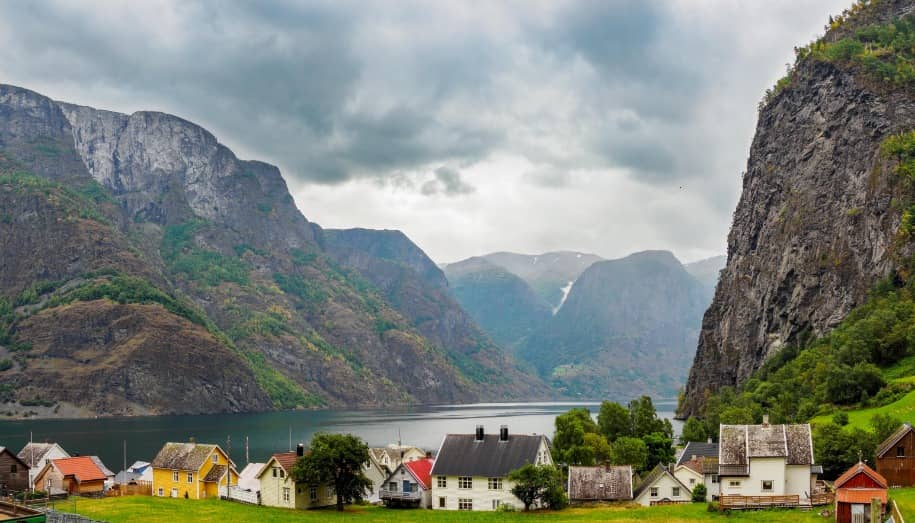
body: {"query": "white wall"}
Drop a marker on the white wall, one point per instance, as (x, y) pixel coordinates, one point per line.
(714, 487)
(480, 494)
(665, 485)
(761, 469)
(688, 476)
(798, 481)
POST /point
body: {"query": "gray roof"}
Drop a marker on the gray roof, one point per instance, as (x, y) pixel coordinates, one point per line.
(706, 450)
(462, 455)
(215, 473)
(101, 466)
(126, 476)
(656, 473)
(34, 453)
(182, 456)
(740, 443)
(894, 438)
(600, 483)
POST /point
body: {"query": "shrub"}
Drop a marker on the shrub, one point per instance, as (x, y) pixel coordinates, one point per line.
(700, 492)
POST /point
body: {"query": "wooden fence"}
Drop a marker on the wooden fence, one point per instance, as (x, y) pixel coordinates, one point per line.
(733, 502)
(823, 498)
(141, 488)
(670, 502)
(894, 511)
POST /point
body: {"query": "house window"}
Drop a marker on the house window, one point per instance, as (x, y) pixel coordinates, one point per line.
(465, 482)
(900, 452)
(767, 485)
(392, 485)
(175, 476)
(496, 503)
(190, 477)
(734, 483)
(286, 494)
(174, 493)
(714, 478)
(495, 483)
(654, 492)
(313, 493)
(275, 472)
(692, 481)
(215, 458)
(161, 492)
(442, 482)
(675, 492)
(330, 492)
(13, 469)
(465, 504)
(441, 502)
(282, 473)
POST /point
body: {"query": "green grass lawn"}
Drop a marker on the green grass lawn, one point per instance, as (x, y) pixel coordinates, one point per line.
(905, 500)
(153, 510)
(904, 409)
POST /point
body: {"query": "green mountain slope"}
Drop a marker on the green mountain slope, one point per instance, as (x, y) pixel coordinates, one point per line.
(549, 274)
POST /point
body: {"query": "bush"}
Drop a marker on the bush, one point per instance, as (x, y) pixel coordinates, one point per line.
(6, 364)
(700, 492)
(840, 418)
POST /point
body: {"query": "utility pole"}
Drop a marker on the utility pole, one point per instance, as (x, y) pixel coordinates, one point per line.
(247, 455)
(125, 459)
(228, 463)
(290, 438)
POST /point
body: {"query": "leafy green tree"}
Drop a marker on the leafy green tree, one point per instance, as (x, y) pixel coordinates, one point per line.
(599, 446)
(693, 430)
(538, 484)
(840, 418)
(644, 418)
(660, 449)
(737, 416)
(569, 439)
(337, 460)
(837, 449)
(700, 492)
(629, 451)
(614, 421)
(884, 426)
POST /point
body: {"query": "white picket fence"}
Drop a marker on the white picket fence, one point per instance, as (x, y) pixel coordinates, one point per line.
(236, 493)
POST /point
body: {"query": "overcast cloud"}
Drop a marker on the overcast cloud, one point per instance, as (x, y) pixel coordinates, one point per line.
(600, 126)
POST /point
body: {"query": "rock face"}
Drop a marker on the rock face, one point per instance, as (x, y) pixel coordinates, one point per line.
(815, 224)
(707, 271)
(131, 238)
(628, 327)
(502, 303)
(549, 274)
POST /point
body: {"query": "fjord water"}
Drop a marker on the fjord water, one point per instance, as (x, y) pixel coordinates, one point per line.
(269, 432)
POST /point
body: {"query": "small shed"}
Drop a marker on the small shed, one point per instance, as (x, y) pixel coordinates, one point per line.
(856, 491)
(611, 483)
(896, 457)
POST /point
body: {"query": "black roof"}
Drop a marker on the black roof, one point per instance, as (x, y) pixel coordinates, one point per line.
(693, 448)
(462, 455)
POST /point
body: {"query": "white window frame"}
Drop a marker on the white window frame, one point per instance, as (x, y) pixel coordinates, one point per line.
(675, 492)
(465, 482)
(441, 482)
(494, 483)
(733, 483)
(175, 476)
(161, 492)
(496, 503)
(174, 492)
(653, 491)
(286, 495)
(215, 458)
(762, 485)
(465, 504)
(190, 477)
(442, 502)
(313, 493)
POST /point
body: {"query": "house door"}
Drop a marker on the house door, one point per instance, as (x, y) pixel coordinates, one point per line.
(406, 486)
(857, 514)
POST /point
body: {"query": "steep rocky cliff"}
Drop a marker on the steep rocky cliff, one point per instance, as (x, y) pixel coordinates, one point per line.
(166, 246)
(818, 214)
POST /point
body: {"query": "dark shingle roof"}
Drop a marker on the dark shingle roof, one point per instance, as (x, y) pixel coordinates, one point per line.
(652, 477)
(182, 456)
(891, 441)
(600, 483)
(708, 450)
(215, 473)
(33, 453)
(462, 455)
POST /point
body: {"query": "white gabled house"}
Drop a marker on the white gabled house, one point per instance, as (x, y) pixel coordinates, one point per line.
(410, 485)
(37, 455)
(660, 486)
(698, 463)
(470, 469)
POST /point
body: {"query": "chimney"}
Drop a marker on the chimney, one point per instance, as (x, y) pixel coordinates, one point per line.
(765, 420)
(428, 454)
(300, 450)
(503, 433)
(479, 436)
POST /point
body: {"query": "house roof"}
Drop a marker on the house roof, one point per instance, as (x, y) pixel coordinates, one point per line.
(33, 453)
(860, 468)
(600, 483)
(891, 441)
(694, 464)
(421, 469)
(740, 443)
(656, 473)
(138, 466)
(860, 495)
(83, 468)
(251, 471)
(14, 456)
(215, 473)
(286, 460)
(698, 449)
(101, 466)
(183, 456)
(462, 455)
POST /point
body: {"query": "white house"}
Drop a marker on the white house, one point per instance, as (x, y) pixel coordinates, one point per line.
(761, 460)
(470, 469)
(383, 460)
(698, 463)
(661, 486)
(279, 489)
(409, 485)
(37, 455)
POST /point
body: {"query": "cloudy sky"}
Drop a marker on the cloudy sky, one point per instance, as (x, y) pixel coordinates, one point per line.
(603, 126)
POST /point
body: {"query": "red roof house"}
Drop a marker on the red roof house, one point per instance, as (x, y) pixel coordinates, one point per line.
(79, 475)
(422, 471)
(409, 485)
(855, 490)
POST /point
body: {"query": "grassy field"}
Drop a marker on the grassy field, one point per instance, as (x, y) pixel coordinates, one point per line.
(904, 409)
(153, 510)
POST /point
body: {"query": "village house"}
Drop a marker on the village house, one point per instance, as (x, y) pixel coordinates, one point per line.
(279, 489)
(138, 472)
(772, 463)
(249, 477)
(661, 487)
(409, 485)
(698, 463)
(470, 469)
(191, 470)
(80, 475)
(14, 473)
(604, 483)
(383, 460)
(37, 455)
(896, 457)
(856, 490)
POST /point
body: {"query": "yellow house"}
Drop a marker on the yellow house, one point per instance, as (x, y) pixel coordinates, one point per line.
(278, 489)
(192, 470)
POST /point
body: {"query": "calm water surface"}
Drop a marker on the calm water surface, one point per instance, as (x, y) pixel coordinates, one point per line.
(269, 432)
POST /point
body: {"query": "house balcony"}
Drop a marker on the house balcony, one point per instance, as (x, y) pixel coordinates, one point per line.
(397, 495)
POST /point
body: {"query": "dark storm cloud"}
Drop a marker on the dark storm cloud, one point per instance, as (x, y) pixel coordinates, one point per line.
(447, 181)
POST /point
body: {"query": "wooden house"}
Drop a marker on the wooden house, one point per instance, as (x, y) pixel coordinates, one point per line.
(192, 470)
(896, 457)
(610, 483)
(470, 469)
(14, 473)
(279, 489)
(856, 492)
(410, 485)
(80, 475)
(37, 455)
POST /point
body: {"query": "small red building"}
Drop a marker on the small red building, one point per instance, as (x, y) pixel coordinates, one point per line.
(855, 491)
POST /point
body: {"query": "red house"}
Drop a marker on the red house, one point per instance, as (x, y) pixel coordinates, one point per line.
(855, 491)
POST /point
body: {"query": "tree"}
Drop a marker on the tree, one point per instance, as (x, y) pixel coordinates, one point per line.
(644, 418)
(599, 446)
(660, 449)
(700, 492)
(335, 459)
(837, 449)
(613, 421)
(884, 425)
(840, 418)
(693, 430)
(538, 484)
(629, 451)
(569, 440)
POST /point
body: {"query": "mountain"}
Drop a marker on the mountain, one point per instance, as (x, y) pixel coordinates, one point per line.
(144, 268)
(550, 274)
(825, 210)
(707, 271)
(628, 327)
(503, 304)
